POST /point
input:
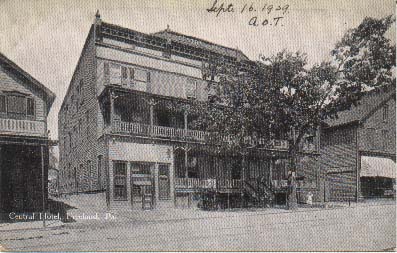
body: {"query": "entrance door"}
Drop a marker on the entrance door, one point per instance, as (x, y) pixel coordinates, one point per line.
(164, 182)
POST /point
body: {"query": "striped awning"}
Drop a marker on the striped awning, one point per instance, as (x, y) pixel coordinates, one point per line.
(377, 167)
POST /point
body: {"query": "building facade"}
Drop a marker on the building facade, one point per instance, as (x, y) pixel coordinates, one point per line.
(119, 134)
(358, 149)
(24, 106)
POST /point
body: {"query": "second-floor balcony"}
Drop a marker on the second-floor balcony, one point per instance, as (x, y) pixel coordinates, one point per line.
(158, 131)
(22, 127)
(142, 114)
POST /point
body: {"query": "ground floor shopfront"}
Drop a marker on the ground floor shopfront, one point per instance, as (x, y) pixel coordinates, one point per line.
(23, 175)
(145, 175)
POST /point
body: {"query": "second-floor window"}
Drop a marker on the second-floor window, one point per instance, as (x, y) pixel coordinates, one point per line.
(191, 88)
(123, 75)
(3, 104)
(385, 113)
(16, 105)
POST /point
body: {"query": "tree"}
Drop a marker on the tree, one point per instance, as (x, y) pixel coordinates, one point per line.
(305, 97)
(282, 94)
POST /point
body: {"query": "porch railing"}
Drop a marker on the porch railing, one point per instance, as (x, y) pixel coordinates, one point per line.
(22, 127)
(182, 134)
(197, 183)
(158, 131)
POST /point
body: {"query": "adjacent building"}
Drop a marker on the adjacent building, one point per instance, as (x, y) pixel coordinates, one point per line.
(358, 149)
(24, 106)
(119, 134)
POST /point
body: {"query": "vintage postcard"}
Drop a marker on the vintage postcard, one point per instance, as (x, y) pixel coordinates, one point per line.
(209, 125)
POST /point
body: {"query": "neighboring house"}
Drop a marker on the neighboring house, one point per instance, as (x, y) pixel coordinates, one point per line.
(24, 106)
(117, 132)
(358, 149)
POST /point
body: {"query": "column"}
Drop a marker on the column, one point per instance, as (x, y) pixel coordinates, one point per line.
(43, 183)
(1, 172)
(185, 119)
(129, 196)
(107, 171)
(111, 109)
(186, 162)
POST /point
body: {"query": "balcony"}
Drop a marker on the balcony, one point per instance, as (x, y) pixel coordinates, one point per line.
(158, 131)
(197, 183)
(22, 127)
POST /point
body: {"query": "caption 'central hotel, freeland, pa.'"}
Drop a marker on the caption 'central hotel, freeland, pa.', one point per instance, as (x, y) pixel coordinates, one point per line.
(117, 134)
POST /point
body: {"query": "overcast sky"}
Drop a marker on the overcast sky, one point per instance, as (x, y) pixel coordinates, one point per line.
(45, 38)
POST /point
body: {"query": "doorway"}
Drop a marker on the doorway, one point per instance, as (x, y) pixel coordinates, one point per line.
(164, 182)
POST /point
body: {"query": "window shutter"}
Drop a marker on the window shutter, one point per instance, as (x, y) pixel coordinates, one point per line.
(30, 106)
(2, 103)
(124, 75)
(148, 77)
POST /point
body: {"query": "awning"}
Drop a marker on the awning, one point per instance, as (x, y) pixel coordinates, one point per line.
(377, 167)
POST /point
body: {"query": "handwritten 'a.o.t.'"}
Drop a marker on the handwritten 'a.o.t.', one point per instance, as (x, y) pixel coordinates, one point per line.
(222, 8)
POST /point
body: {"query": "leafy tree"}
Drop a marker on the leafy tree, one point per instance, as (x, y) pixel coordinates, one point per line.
(282, 95)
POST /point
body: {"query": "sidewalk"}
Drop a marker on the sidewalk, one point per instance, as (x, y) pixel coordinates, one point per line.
(28, 225)
(90, 210)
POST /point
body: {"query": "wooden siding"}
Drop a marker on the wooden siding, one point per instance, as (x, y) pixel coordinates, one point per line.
(370, 135)
(9, 82)
(338, 162)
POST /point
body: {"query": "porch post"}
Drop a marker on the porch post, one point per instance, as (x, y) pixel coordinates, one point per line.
(111, 108)
(129, 192)
(151, 106)
(1, 172)
(186, 162)
(185, 119)
(43, 182)
(107, 168)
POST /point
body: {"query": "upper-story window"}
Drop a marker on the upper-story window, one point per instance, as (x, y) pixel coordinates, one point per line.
(385, 113)
(191, 88)
(17, 105)
(3, 108)
(123, 75)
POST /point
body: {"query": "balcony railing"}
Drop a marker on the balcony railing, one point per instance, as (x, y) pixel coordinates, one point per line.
(22, 127)
(197, 183)
(158, 131)
(182, 134)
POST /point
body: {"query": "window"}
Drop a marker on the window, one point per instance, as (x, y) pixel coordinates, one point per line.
(106, 68)
(99, 172)
(191, 88)
(124, 75)
(132, 73)
(120, 181)
(140, 168)
(3, 108)
(141, 75)
(385, 139)
(87, 120)
(16, 104)
(371, 135)
(115, 74)
(70, 141)
(385, 113)
(30, 106)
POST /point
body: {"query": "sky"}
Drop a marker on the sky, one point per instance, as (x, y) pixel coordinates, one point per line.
(45, 37)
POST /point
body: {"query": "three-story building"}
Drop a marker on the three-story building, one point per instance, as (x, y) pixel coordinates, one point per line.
(118, 131)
